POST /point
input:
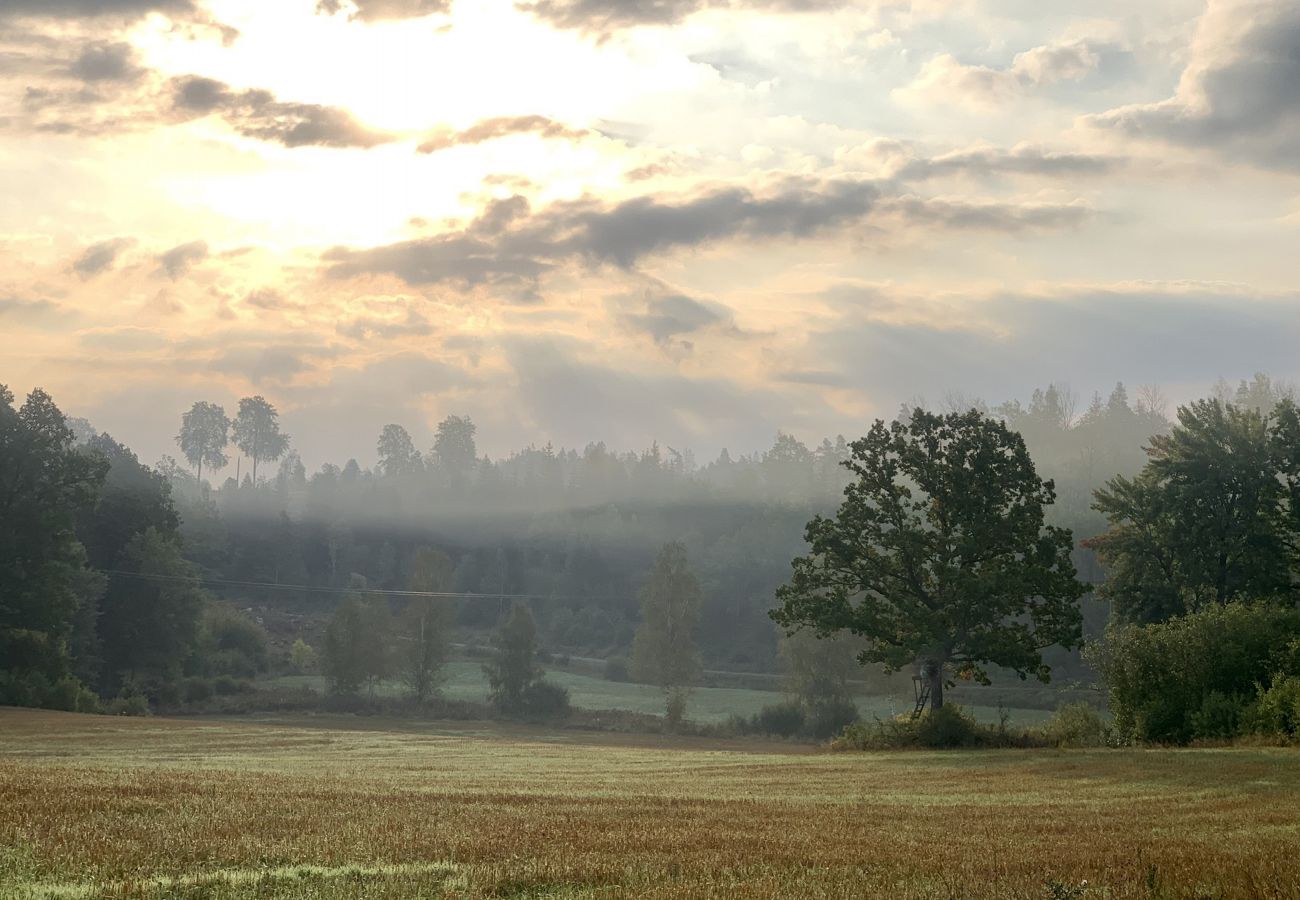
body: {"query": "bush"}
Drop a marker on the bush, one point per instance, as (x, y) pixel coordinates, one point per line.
(226, 686)
(783, 719)
(1076, 725)
(675, 712)
(1219, 716)
(1276, 711)
(616, 669)
(196, 690)
(826, 720)
(545, 700)
(128, 705)
(1160, 676)
(948, 728)
(231, 643)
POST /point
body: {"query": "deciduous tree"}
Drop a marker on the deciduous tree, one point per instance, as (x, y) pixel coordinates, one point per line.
(939, 554)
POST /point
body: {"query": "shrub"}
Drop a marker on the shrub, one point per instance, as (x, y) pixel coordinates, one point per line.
(128, 705)
(196, 690)
(825, 720)
(1276, 711)
(545, 700)
(784, 719)
(1076, 725)
(947, 727)
(63, 694)
(1159, 676)
(302, 656)
(1219, 716)
(616, 668)
(226, 686)
(675, 712)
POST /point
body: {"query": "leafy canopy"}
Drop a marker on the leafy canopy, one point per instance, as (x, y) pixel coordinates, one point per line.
(940, 552)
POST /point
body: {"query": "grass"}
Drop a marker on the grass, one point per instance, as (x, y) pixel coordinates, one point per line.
(154, 808)
(465, 681)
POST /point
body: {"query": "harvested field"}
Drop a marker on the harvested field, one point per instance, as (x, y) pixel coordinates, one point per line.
(97, 806)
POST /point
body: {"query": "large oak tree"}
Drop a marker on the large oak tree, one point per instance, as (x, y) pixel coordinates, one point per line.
(939, 554)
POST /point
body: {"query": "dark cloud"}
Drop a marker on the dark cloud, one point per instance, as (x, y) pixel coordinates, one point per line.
(665, 317)
(512, 244)
(86, 9)
(606, 16)
(178, 260)
(380, 10)
(258, 114)
(106, 61)
(503, 126)
(263, 364)
(1240, 92)
(100, 257)
(268, 299)
(986, 161)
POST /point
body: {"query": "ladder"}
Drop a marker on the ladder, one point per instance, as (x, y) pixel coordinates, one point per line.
(921, 688)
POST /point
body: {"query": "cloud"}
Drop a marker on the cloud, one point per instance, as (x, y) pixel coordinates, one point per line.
(31, 312)
(511, 244)
(372, 327)
(100, 257)
(267, 299)
(503, 126)
(258, 114)
(381, 10)
(178, 260)
(106, 61)
(945, 81)
(606, 16)
(997, 345)
(1023, 159)
(664, 317)
(87, 9)
(1240, 92)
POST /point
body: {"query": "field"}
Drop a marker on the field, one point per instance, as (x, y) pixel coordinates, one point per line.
(98, 806)
(709, 705)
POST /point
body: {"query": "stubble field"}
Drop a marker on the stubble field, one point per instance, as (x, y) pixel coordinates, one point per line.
(103, 807)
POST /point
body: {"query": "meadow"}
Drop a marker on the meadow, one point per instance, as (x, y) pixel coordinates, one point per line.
(332, 808)
(464, 680)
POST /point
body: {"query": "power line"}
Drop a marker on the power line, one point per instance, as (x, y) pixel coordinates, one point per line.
(309, 589)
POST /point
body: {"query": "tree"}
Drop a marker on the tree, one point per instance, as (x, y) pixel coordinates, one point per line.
(426, 624)
(939, 555)
(205, 432)
(514, 670)
(149, 622)
(663, 651)
(454, 448)
(356, 645)
(257, 432)
(397, 453)
(1207, 520)
(45, 482)
(818, 670)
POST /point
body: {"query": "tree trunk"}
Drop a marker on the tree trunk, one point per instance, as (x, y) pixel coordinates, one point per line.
(934, 668)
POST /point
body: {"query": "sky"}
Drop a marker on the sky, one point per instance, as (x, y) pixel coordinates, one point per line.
(691, 221)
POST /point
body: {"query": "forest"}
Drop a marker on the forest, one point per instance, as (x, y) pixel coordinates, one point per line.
(126, 586)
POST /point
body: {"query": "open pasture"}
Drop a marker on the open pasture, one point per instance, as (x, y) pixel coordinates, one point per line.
(151, 808)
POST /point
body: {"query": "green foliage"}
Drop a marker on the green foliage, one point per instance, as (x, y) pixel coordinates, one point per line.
(426, 625)
(830, 717)
(545, 700)
(128, 703)
(44, 586)
(204, 434)
(302, 657)
(1210, 519)
(663, 651)
(784, 719)
(230, 643)
(1220, 715)
(818, 670)
(1276, 711)
(616, 669)
(1076, 725)
(356, 648)
(514, 669)
(257, 432)
(940, 552)
(1159, 676)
